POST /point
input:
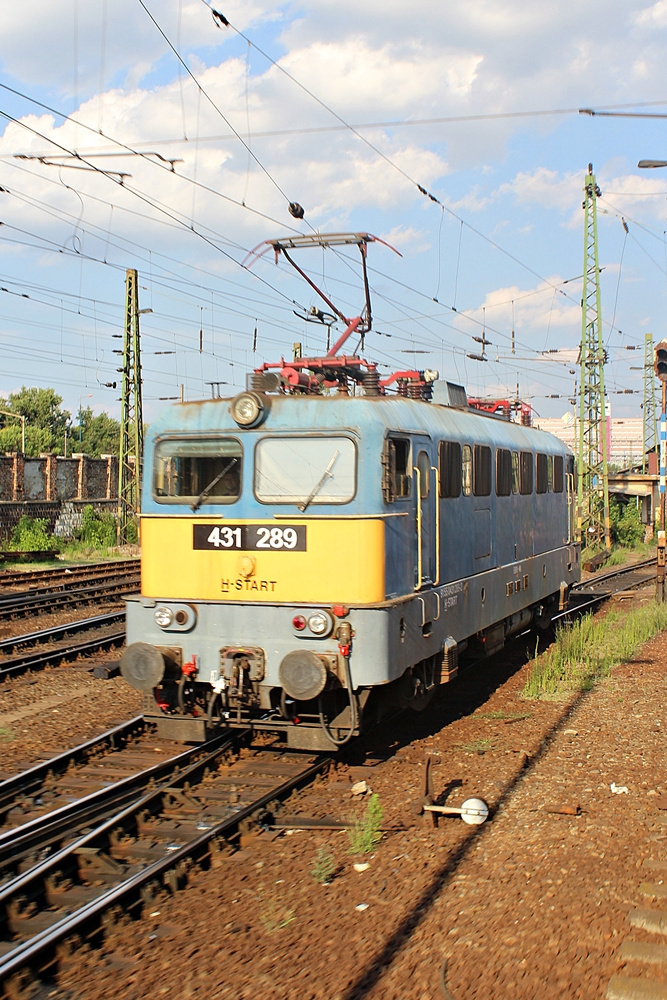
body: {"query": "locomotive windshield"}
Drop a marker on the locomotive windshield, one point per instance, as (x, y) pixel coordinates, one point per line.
(196, 471)
(305, 470)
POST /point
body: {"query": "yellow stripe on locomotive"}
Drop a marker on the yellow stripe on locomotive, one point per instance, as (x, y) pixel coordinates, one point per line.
(341, 559)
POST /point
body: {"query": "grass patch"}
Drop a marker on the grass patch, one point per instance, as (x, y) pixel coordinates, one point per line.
(275, 916)
(6, 734)
(585, 651)
(482, 745)
(501, 716)
(324, 866)
(365, 833)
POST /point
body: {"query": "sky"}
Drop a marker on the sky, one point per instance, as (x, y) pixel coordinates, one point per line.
(171, 137)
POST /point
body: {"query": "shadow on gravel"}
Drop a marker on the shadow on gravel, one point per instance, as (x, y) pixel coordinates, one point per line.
(411, 921)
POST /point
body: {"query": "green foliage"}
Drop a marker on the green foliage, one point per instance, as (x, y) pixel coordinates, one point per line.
(274, 915)
(30, 535)
(365, 832)
(324, 866)
(479, 746)
(45, 421)
(97, 530)
(47, 426)
(626, 527)
(586, 651)
(95, 435)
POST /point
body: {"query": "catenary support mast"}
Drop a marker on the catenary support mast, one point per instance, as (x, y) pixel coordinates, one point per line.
(592, 481)
(131, 419)
(650, 436)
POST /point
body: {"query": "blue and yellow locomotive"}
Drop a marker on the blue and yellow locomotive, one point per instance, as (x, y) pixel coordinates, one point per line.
(300, 552)
(312, 556)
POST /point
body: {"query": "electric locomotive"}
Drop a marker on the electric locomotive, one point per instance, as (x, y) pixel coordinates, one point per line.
(325, 544)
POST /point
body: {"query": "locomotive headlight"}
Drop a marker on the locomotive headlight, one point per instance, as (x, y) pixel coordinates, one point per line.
(320, 623)
(247, 409)
(163, 617)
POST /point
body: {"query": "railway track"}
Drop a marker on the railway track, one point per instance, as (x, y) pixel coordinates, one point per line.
(601, 586)
(64, 576)
(67, 873)
(103, 592)
(99, 633)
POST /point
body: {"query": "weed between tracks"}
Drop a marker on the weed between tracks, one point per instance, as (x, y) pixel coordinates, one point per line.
(364, 833)
(585, 651)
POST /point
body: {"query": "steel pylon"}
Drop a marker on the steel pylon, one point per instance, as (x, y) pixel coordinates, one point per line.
(650, 435)
(131, 417)
(593, 528)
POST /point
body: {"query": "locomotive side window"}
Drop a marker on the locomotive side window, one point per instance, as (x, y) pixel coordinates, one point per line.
(515, 472)
(503, 472)
(450, 468)
(550, 473)
(525, 472)
(481, 485)
(424, 466)
(305, 470)
(466, 470)
(396, 478)
(542, 473)
(191, 470)
(558, 473)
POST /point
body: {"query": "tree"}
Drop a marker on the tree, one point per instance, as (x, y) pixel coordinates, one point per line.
(45, 421)
(47, 424)
(96, 435)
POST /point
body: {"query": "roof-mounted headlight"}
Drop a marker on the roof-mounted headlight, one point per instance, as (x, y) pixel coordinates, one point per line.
(248, 409)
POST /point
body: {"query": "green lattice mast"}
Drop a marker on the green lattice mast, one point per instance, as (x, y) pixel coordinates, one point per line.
(592, 478)
(131, 419)
(650, 436)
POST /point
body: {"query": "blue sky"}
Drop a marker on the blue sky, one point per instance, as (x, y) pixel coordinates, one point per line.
(475, 100)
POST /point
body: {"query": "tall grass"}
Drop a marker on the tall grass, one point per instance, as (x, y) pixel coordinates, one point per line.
(586, 651)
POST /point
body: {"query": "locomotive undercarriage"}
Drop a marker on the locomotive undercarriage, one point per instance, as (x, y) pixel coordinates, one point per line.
(400, 652)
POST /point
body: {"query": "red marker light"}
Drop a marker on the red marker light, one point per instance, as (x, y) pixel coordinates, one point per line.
(299, 623)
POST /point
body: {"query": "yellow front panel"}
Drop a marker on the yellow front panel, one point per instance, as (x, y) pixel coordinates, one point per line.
(343, 563)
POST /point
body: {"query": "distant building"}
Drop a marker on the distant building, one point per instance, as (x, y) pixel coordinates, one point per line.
(625, 436)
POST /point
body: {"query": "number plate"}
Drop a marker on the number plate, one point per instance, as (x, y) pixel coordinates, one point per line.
(250, 537)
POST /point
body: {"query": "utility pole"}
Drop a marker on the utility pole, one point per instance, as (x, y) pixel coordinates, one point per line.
(592, 474)
(131, 420)
(660, 369)
(650, 436)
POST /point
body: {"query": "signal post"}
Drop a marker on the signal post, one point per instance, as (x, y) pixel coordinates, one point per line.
(660, 368)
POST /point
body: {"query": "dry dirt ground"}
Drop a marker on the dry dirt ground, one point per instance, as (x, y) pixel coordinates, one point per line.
(534, 904)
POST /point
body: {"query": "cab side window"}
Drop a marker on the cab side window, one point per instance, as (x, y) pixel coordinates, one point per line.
(396, 476)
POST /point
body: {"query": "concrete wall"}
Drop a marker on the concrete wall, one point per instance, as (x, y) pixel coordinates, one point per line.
(56, 489)
(52, 478)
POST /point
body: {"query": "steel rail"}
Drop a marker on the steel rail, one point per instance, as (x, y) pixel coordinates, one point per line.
(42, 947)
(53, 600)
(63, 574)
(32, 661)
(44, 832)
(56, 631)
(25, 781)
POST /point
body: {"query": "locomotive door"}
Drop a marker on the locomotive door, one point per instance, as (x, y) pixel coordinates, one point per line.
(427, 570)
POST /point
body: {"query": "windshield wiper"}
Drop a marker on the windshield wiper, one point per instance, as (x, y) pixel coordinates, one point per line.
(205, 492)
(316, 489)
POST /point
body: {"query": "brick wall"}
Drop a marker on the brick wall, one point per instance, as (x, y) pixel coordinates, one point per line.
(50, 477)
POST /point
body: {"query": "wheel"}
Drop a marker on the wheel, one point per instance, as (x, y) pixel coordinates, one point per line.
(419, 684)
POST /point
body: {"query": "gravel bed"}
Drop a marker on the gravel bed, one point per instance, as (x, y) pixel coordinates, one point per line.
(535, 903)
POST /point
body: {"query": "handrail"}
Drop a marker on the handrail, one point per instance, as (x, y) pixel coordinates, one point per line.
(420, 567)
